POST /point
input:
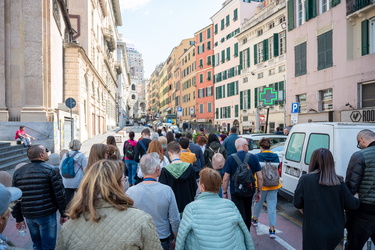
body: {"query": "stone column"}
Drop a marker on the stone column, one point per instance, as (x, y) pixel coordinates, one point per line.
(4, 115)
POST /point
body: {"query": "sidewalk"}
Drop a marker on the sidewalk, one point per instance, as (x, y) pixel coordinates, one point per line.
(86, 145)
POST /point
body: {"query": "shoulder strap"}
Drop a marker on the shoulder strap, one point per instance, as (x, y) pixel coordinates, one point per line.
(236, 158)
(143, 145)
(247, 158)
(74, 154)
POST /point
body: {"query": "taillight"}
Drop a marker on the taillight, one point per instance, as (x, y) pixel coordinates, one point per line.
(280, 168)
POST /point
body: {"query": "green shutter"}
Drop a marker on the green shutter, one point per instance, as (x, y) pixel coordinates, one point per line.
(248, 57)
(223, 56)
(365, 37)
(200, 37)
(228, 112)
(256, 97)
(235, 15)
(335, 2)
(255, 54)
(216, 28)
(240, 66)
(228, 53)
(227, 20)
(290, 15)
(236, 110)
(208, 33)
(217, 113)
(235, 49)
(265, 50)
(248, 99)
(310, 9)
(209, 60)
(241, 100)
(275, 44)
(222, 24)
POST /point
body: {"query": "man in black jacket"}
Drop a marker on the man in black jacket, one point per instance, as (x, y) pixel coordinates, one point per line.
(42, 195)
(360, 179)
(142, 145)
(200, 163)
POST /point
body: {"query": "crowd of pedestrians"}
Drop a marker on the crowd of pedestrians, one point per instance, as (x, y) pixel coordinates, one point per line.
(184, 194)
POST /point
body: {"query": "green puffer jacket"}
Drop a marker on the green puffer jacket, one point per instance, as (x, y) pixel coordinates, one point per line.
(211, 150)
(212, 223)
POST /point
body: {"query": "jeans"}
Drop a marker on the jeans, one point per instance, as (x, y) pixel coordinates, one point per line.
(43, 232)
(361, 227)
(132, 166)
(271, 198)
(243, 204)
(26, 141)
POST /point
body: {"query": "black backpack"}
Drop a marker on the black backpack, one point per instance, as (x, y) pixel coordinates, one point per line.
(244, 181)
(129, 150)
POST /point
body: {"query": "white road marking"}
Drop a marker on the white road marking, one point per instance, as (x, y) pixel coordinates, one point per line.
(262, 229)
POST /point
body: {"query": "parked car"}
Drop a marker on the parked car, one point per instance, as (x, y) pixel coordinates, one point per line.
(278, 149)
(174, 129)
(304, 138)
(254, 139)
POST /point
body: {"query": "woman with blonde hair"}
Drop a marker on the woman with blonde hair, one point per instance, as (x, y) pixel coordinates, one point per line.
(155, 146)
(103, 217)
(97, 152)
(80, 163)
(219, 227)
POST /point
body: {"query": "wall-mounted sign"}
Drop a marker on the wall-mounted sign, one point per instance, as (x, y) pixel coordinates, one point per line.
(268, 96)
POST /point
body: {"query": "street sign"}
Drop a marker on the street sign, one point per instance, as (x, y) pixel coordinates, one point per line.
(70, 103)
(268, 96)
(294, 118)
(262, 118)
(179, 109)
(191, 110)
(295, 107)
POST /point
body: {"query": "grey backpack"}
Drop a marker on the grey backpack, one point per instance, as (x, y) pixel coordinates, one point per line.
(270, 175)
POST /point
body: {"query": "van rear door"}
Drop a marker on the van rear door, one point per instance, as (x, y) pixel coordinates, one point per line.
(300, 146)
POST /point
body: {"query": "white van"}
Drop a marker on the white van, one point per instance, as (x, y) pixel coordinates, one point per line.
(303, 139)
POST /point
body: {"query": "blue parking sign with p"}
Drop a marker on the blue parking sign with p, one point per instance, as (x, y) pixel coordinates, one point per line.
(295, 107)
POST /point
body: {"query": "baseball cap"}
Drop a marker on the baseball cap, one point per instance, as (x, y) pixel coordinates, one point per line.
(7, 195)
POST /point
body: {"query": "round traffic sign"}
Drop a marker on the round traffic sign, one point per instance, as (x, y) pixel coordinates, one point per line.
(262, 118)
(70, 103)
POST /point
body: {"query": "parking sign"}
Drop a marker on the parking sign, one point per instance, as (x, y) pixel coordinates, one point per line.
(295, 107)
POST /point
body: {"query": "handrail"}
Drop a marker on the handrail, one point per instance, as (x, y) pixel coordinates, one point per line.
(47, 135)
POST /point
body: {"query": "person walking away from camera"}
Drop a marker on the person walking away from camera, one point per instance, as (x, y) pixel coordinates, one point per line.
(279, 131)
(102, 216)
(180, 176)
(268, 193)
(202, 142)
(7, 196)
(222, 138)
(129, 156)
(186, 155)
(113, 153)
(200, 163)
(98, 152)
(155, 147)
(213, 146)
(323, 196)
(243, 203)
(42, 195)
(111, 140)
(163, 131)
(142, 145)
(360, 179)
(229, 142)
(80, 163)
(219, 227)
(25, 138)
(156, 199)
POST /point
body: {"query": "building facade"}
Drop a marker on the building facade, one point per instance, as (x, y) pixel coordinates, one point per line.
(205, 110)
(226, 25)
(262, 45)
(330, 60)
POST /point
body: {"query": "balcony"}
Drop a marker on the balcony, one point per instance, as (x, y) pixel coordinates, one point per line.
(109, 37)
(359, 6)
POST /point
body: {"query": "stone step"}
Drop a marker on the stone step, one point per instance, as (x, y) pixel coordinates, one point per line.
(12, 150)
(11, 158)
(13, 163)
(4, 144)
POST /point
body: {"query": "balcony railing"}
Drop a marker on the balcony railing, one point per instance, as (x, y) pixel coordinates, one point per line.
(355, 5)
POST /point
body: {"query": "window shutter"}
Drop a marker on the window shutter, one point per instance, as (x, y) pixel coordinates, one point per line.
(228, 53)
(365, 37)
(248, 57)
(235, 49)
(276, 44)
(216, 28)
(228, 112)
(335, 2)
(310, 9)
(236, 110)
(248, 99)
(255, 54)
(290, 15)
(240, 66)
(223, 56)
(303, 58)
(321, 52)
(217, 113)
(256, 97)
(241, 100)
(265, 50)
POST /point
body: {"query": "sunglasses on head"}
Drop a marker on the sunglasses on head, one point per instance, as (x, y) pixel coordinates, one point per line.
(47, 150)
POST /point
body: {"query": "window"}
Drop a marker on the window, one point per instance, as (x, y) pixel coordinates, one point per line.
(201, 108)
(200, 63)
(271, 25)
(245, 79)
(281, 68)
(260, 75)
(367, 94)
(235, 15)
(222, 56)
(244, 40)
(270, 47)
(282, 43)
(300, 59)
(316, 141)
(325, 50)
(209, 107)
(208, 33)
(300, 15)
(282, 19)
(209, 76)
(325, 97)
(133, 87)
(200, 37)
(245, 99)
(208, 45)
(235, 50)
(200, 78)
(271, 72)
(200, 93)
(209, 91)
(260, 52)
(260, 32)
(208, 60)
(302, 103)
(324, 5)
(227, 21)
(133, 97)
(222, 24)
(294, 150)
(228, 54)
(216, 28)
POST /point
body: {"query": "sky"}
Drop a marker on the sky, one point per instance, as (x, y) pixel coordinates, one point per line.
(155, 27)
